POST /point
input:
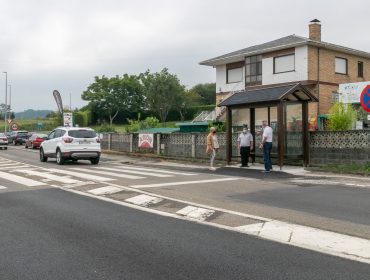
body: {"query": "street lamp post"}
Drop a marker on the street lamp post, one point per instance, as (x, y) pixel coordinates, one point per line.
(6, 101)
(10, 102)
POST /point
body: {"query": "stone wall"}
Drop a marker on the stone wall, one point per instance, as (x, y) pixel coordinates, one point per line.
(340, 147)
(326, 147)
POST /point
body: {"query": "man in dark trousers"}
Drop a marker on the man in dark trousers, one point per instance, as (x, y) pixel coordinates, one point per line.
(245, 145)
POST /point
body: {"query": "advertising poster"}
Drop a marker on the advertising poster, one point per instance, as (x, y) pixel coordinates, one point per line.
(67, 120)
(146, 140)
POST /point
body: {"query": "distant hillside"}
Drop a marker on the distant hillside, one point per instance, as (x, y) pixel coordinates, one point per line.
(32, 114)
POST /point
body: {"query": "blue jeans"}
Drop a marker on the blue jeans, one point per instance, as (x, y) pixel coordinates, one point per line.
(266, 155)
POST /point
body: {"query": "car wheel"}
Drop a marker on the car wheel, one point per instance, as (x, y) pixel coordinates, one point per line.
(95, 160)
(60, 158)
(43, 158)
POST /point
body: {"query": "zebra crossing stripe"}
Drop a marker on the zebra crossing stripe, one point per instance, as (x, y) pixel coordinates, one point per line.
(195, 213)
(136, 172)
(105, 190)
(20, 180)
(144, 200)
(10, 164)
(82, 175)
(49, 176)
(184, 183)
(109, 173)
(3, 188)
(18, 166)
(155, 170)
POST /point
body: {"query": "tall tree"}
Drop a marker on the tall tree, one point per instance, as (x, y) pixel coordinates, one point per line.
(207, 93)
(188, 99)
(113, 95)
(162, 91)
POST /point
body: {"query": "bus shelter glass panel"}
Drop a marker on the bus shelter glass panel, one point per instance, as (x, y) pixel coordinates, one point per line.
(294, 130)
(274, 126)
(261, 114)
(239, 118)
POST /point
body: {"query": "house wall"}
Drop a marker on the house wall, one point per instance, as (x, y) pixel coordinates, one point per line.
(222, 86)
(300, 73)
(329, 80)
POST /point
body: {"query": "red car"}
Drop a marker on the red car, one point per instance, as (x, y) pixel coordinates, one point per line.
(35, 140)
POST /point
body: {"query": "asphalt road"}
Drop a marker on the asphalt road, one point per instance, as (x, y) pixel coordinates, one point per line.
(52, 234)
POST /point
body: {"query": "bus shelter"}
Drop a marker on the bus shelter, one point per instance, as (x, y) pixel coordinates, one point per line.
(285, 107)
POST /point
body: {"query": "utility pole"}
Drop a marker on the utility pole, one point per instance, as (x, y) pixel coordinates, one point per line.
(6, 102)
(70, 102)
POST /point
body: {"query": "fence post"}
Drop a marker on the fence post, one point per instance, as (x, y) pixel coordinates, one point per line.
(131, 142)
(193, 141)
(158, 143)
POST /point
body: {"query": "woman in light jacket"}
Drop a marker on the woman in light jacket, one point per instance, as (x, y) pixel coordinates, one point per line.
(212, 146)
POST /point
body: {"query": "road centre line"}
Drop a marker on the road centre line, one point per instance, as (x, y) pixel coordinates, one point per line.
(81, 175)
(20, 180)
(136, 172)
(184, 183)
(120, 175)
(156, 170)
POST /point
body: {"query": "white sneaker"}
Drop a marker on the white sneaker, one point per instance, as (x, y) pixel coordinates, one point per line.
(212, 168)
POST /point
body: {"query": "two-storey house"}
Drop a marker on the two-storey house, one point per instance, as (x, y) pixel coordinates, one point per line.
(317, 65)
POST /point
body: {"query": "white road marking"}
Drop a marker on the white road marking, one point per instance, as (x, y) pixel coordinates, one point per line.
(109, 173)
(184, 183)
(20, 180)
(136, 172)
(312, 238)
(10, 164)
(144, 200)
(195, 213)
(105, 190)
(3, 188)
(14, 167)
(346, 255)
(81, 175)
(49, 176)
(155, 170)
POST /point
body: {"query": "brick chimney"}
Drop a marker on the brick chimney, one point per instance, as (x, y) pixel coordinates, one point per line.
(315, 30)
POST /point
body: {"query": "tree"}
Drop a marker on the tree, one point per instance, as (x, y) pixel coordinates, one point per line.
(341, 116)
(111, 95)
(188, 99)
(162, 91)
(207, 93)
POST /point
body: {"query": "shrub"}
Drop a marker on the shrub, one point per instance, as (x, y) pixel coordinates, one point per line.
(341, 116)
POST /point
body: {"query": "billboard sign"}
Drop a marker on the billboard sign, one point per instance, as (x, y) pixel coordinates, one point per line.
(146, 140)
(67, 120)
(351, 93)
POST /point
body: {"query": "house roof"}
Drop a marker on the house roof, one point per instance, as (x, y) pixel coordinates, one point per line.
(291, 92)
(279, 44)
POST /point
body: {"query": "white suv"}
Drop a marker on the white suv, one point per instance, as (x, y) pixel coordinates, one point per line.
(71, 143)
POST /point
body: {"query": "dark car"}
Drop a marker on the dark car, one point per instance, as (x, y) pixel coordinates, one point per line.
(18, 137)
(35, 140)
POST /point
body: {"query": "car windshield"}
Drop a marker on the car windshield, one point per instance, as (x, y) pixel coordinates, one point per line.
(82, 133)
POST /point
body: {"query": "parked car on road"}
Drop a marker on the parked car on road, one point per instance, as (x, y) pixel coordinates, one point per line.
(3, 141)
(35, 140)
(71, 143)
(18, 137)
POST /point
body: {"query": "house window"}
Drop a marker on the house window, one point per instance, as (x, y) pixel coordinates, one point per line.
(360, 69)
(341, 65)
(234, 72)
(285, 63)
(253, 70)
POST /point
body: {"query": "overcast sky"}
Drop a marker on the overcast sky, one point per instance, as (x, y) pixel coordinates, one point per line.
(54, 44)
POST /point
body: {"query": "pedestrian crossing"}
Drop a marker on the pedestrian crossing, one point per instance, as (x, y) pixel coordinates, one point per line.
(31, 176)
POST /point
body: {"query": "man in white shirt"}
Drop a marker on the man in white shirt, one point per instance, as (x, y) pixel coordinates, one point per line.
(245, 145)
(267, 146)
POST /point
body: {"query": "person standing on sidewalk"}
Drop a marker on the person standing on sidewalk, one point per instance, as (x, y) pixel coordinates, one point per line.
(212, 146)
(245, 146)
(266, 144)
